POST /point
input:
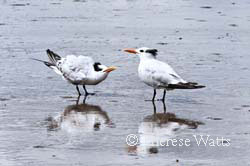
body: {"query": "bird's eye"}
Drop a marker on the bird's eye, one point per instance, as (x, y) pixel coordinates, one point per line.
(141, 51)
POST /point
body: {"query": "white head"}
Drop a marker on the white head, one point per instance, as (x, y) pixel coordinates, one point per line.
(144, 52)
(101, 71)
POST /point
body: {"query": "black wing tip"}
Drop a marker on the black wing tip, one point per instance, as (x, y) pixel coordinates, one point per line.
(200, 86)
(48, 51)
(195, 85)
(186, 86)
(46, 63)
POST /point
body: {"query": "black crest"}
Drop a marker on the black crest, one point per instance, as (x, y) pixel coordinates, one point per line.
(152, 51)
(96, 66)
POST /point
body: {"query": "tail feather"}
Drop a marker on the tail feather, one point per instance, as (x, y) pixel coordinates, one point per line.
(46, 63)
(188, 85)
(50, 65)
(53, 57)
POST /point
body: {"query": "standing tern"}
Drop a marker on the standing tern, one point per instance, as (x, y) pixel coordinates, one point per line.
(78, 70)
(157, 74)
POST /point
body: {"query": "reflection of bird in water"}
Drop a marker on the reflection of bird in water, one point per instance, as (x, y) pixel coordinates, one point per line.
(81, 118)
(160, 127)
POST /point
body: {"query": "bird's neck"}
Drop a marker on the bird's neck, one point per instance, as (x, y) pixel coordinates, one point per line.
(144, 57)
(100, 75)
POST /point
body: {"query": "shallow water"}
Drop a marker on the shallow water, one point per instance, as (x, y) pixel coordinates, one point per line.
(205, 41)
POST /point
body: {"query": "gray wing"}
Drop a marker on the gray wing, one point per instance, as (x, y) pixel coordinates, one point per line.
(162, 74)
(76, 68)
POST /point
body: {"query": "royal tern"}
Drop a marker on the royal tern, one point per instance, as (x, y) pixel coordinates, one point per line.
(158, 74)
(78, 70)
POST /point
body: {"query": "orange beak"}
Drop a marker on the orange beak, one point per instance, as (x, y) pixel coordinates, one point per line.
(130, 51)
(109, 69)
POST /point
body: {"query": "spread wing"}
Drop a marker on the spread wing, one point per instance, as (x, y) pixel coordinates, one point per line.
(76, 68)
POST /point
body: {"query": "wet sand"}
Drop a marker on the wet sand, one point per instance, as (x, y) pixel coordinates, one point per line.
(205, 41)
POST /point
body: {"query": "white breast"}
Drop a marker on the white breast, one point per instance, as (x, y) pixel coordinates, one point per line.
(146, 75)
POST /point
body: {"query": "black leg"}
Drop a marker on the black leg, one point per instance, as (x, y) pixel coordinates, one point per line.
(77, 101)
(86, 92)
(78, 90)
(164, 106)
(84, 100)
(164, 94)
(153, 102)
(153, 99)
